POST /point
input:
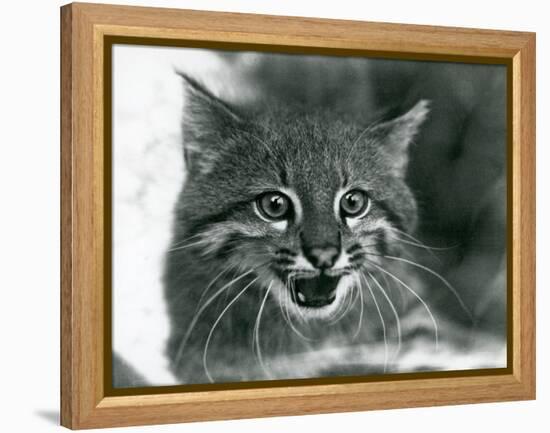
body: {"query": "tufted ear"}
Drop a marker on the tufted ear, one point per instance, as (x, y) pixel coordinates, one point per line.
(396, 135)
(207, 123)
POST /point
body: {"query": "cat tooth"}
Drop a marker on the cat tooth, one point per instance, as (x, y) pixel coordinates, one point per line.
(301, 297)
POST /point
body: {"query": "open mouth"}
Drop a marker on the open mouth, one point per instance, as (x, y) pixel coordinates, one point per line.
(314, 291)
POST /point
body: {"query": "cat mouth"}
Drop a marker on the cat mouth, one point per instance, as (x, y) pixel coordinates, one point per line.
(314, 291)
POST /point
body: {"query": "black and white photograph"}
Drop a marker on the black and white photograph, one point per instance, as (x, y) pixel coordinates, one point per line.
(275, 216)
(282, 216)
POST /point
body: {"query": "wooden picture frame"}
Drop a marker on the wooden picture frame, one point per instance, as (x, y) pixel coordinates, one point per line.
(86, 29)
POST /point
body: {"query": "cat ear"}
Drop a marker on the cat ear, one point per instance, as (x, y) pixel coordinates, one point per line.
(396, 135)
(207, 122)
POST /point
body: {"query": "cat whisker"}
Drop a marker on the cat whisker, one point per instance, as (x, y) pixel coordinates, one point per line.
(192, 244)
(417, 296)
(391, 286)
(441, 278)
(414, 244)
(353, 295)
(292, 293)
(293, 327)
(382, 321)
(216, 278)
(345, 307)
(201, 310)
(203, 295)
(396, 315)
(374, 254)
(418, 243)
(359, 251)
(284, 312)
(256, 333)
(425, 247)
(212, 329)
(182, 241)
(205, 291)
(361, 306)
(368, 245)
(284, 303)
(406, 242)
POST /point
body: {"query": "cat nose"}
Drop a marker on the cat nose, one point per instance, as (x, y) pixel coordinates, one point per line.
(322, 257)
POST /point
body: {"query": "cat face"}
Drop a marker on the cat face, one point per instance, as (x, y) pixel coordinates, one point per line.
(304, 202)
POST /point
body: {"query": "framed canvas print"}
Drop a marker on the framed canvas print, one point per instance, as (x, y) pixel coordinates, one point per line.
(271, 216)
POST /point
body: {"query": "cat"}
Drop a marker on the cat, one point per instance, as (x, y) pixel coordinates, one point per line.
(288, 219)
(299, 114)
(457, 170)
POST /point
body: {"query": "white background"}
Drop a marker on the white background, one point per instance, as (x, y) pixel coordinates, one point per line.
(29, 237)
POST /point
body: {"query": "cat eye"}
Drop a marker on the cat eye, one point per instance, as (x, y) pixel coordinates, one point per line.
(354, 203)
(274, 206)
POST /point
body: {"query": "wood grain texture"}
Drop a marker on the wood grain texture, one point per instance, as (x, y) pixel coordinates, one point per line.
(308, 32)
(527, 218)
(67, 385)
(84, 26)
